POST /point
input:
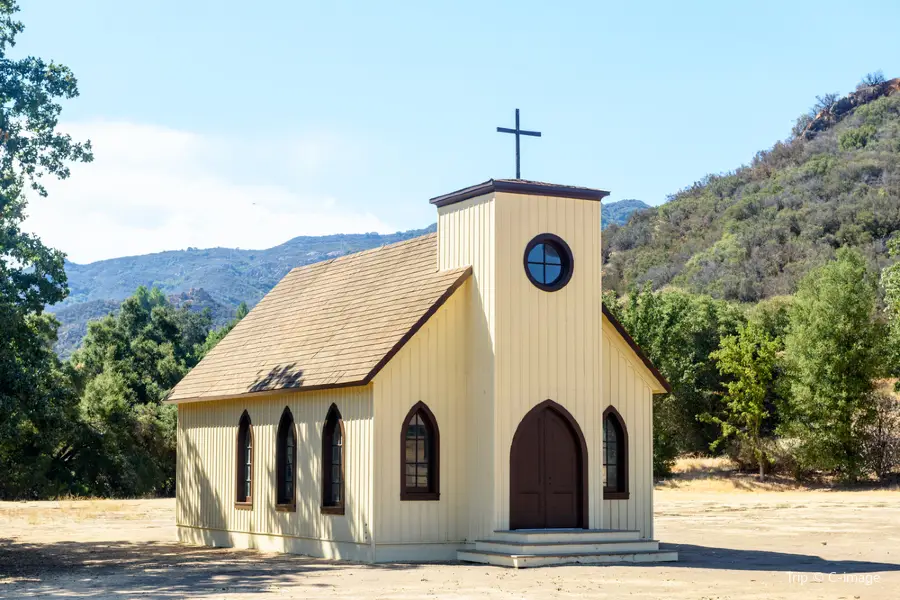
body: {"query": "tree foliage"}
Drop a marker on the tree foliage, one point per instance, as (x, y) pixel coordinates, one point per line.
(754, 233)
(216, 335)
(836, 349)
(870, 79)
(890, 282)
(679, 331)
(35, 400)
(125, 368)
(749, 361)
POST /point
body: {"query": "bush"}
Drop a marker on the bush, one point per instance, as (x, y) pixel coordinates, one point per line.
(856, 139)
(882, 441)
(742, 454)
(781, 457)
(665, 436)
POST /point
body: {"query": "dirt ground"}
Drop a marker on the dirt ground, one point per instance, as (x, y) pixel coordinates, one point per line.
(733, 544)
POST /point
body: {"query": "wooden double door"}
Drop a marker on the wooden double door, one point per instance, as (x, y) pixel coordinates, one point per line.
(548, 471)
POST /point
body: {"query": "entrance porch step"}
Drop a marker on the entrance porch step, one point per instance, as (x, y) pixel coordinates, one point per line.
(551, 536)
(573, 547)
(521, 561)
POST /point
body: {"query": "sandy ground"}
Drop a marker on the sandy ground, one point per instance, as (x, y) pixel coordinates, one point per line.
(733, 544)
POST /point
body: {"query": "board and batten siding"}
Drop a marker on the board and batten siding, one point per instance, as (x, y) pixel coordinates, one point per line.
(528, 346)
(430, 368)
(548, 344)
(206, 474)
(627, 386)
(466, 237)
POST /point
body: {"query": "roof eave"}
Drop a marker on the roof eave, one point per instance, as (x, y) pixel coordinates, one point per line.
(513, 186)
(666, 386)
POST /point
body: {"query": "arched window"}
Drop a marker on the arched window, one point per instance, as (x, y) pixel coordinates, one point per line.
(615, 456)
(333, 463)
(286, 461)
(244, 475)
(420, 455)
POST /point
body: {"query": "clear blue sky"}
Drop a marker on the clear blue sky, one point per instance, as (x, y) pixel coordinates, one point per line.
(325, 110)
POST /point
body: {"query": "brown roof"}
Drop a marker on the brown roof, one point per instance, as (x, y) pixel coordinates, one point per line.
(520, 186)
(330, 324)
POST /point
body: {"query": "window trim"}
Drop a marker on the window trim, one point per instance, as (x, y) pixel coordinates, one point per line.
(565, 254)
(326, 463)
(247, 503)
(434, 462)
(279, 462)
(622, 493)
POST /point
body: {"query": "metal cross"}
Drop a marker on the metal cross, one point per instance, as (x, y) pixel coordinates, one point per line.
(518, 132)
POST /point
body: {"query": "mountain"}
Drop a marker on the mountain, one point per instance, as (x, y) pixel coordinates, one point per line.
(618, 213)
(744, 235)
(754, 232)
(215, 278)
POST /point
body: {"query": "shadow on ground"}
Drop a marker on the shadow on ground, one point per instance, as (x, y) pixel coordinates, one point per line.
(151, 570)
(159, 571)
(707, 557)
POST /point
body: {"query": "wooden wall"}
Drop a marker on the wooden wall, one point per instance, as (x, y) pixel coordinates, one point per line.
(431, 368)
(466, 234)
(627, 385)
(207, 435)
(528, 346)
(547, 343)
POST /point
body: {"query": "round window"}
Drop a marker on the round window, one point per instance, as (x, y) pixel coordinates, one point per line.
(548, 262)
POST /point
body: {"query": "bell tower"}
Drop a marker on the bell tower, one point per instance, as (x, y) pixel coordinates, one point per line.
(536, 318)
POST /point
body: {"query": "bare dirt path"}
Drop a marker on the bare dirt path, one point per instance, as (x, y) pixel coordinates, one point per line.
(733, 544)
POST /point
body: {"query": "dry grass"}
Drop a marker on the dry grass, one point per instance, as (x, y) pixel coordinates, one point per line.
(69, 511)
(689, 465)
(720, 474)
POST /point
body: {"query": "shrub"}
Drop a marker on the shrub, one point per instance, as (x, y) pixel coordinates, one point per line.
(856, 139)
(665, 435)
(882, 441)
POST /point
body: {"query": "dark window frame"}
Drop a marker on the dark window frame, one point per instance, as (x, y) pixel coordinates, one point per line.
(620, 490)
(333, 421)
(243, 498)
(567, 261)
(285, 424)
(434, 456)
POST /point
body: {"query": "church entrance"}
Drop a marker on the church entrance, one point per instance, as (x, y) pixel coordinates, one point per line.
(548, 471)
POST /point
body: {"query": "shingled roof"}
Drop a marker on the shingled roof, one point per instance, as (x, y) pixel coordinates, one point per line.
(330, 324)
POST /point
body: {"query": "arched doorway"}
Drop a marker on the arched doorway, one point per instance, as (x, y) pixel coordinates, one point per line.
(548, 471)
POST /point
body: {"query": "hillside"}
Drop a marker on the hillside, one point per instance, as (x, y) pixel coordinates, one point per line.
(618, 213)
(216, 278)
(754, 232)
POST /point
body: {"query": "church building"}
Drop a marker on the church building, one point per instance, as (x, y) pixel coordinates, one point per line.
(460, 395)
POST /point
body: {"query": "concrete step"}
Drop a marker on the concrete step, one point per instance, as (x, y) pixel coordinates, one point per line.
(549, 536)
(579, 547)
(518, 561)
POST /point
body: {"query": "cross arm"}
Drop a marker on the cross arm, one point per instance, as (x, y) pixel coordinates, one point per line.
(520, 131)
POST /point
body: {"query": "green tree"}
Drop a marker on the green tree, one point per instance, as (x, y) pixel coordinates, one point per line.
(679, 331)
(749, 360)
(36, 400)
(125, 368)
(890, 282)
(773, 316)
(215, 336)
(835, 350)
